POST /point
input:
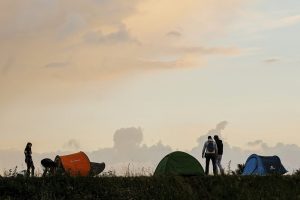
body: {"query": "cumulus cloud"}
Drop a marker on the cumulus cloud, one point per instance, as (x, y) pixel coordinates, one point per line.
(215, 131)
(128, 138)
(72, 145)
(128, 150)
(237, 155)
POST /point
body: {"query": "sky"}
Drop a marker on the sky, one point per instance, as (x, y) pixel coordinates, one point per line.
(74, 74)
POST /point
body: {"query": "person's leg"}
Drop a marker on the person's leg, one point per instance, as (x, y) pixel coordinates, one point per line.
(45, 171)
(28, 169)
(220, 165)
(31, 167)
(213, 159)
(206, 164)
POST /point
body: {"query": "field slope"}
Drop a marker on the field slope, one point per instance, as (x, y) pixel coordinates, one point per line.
(209, 187)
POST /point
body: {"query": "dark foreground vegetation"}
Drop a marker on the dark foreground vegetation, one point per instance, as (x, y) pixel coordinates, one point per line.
(209, 187)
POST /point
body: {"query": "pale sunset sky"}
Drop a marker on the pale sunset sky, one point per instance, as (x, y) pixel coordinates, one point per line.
(78, 70)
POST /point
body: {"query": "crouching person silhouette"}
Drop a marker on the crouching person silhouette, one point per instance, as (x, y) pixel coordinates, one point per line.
(49, 166)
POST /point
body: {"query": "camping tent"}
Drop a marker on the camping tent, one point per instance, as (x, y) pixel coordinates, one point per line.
(75, 164)
(78, 164)
(179, 163)
(263, 165)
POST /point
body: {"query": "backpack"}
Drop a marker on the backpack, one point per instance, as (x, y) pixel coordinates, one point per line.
(210, 147)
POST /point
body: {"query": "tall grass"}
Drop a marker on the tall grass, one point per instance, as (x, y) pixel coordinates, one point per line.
(152, 187)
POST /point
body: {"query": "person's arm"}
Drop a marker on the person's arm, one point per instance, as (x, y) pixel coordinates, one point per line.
(203, 150)
(26, 152)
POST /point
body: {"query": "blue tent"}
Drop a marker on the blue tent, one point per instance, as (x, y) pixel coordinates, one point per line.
(263, 165)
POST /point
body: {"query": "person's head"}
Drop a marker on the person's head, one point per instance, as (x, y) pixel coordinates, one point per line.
(209, 137)
(29, 144)
(216, 137)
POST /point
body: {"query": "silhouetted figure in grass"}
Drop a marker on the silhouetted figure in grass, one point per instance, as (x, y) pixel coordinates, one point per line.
(28, 159)
(210, 150)
(49, 166)
(220, 154)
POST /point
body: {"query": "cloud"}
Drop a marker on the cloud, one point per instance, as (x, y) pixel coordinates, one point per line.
(285, 21)
(72, 145)
(255, 143)
(267, 21)
(101, 41)
(128, 150)
(118, 36)
(271, 60)
(237, 155)
(215, 131)
(211, 51)
(74, 23)
(175, 34)
(38, 32)
(128, 138)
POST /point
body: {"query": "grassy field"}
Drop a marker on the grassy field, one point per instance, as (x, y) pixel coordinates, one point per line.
(207, 187)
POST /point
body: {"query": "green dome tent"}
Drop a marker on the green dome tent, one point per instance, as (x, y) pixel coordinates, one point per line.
(179, 163)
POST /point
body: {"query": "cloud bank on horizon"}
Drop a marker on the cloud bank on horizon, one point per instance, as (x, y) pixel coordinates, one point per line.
(128, 150)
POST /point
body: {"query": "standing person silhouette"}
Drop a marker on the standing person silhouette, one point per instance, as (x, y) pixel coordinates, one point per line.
(28, 159)
(220, 153)
(209, 151)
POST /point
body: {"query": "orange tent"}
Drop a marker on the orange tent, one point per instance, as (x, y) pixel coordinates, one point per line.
(77, 164)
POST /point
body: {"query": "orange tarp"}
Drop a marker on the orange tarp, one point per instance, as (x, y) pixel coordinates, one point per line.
(77, 164)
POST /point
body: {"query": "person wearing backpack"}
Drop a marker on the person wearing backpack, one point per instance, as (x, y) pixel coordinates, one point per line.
(209, 151)
(220, 153)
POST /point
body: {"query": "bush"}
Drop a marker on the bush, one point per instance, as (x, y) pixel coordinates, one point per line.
(296, 172)
(240, 169)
